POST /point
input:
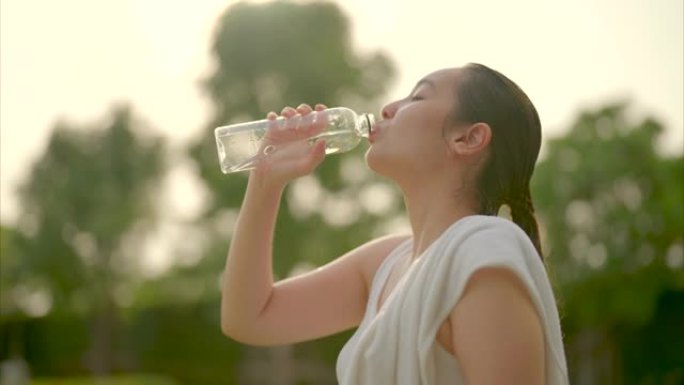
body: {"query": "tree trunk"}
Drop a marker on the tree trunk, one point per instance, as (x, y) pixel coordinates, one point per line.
(100, 359)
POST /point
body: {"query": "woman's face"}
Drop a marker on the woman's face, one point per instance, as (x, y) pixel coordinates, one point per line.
(408, 141)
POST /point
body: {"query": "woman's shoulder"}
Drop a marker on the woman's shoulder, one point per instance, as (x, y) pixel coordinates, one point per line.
(487, 221)
(378, 250)
(491, 238)
(486, 227)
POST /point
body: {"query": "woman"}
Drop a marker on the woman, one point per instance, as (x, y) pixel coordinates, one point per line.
(464, 298)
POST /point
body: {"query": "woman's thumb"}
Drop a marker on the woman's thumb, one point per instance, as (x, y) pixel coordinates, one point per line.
(317, 153)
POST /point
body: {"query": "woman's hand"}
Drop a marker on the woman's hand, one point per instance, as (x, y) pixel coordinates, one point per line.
(287, 147)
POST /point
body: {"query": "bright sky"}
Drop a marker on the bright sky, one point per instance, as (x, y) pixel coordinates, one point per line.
(73, 58)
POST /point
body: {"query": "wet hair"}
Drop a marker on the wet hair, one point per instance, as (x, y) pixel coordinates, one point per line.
(484, 95)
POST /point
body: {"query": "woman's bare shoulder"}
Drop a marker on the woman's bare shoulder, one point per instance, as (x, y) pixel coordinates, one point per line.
(375, 251)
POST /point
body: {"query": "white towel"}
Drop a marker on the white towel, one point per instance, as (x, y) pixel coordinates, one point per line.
(396, 348)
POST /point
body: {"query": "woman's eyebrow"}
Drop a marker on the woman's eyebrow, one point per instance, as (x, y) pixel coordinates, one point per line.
(424, 81)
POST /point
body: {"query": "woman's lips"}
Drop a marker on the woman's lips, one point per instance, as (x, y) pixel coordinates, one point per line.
(373, 133)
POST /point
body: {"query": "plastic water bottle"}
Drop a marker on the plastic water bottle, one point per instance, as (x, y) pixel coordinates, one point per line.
(240, 145)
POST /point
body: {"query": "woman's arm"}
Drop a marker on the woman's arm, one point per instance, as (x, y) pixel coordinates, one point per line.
(327, 300)
(496, 332)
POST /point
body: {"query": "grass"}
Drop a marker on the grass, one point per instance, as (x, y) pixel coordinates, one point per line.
(127, 379)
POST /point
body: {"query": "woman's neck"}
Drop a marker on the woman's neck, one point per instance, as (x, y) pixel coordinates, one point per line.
(432, 209)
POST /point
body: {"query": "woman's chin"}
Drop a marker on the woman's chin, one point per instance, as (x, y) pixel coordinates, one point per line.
(371, 159)
(377, 163)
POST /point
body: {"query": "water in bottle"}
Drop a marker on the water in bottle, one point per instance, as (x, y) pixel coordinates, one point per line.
(240, 145)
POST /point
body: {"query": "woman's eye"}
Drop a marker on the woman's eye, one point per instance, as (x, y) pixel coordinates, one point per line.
(416, 97)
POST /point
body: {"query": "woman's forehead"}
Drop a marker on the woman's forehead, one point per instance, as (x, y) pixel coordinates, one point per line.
(442, 78)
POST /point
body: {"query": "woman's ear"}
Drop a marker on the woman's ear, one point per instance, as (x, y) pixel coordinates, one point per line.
(470, 140)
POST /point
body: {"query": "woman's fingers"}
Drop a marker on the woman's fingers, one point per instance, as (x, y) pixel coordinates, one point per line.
(299, 123)
(273, 125)
(304, 109)
(311, 124)
(321, 120)
(288, 112)
(289, 148)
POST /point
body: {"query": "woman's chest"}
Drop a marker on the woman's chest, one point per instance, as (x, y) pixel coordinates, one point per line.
(397, 273)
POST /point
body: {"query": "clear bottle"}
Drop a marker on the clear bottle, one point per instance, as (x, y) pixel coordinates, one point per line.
(240, 148)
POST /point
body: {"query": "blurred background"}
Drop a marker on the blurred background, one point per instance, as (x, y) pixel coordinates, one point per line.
(116, 218)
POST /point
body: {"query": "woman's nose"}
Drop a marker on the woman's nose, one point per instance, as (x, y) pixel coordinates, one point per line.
(389, 110)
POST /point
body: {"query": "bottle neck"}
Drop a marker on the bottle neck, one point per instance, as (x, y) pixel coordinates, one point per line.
(365, 123)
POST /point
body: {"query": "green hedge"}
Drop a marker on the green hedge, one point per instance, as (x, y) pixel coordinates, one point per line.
(134, 379)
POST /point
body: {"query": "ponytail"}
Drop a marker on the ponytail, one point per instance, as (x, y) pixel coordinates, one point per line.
(492, 195)
(522, 213)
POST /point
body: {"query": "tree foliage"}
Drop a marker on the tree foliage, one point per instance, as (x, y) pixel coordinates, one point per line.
(86, 206)
(613, 211)
(268, 56)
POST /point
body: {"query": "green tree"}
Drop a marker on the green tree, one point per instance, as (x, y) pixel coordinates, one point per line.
(10, 308)
(86, 206)
(283, 53)
(8, 271)
(612, 207)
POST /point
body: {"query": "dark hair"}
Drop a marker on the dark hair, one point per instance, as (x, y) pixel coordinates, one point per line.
(484, 95)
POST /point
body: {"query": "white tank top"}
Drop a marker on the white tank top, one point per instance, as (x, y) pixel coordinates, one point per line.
(509, 247)
(447, 370)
